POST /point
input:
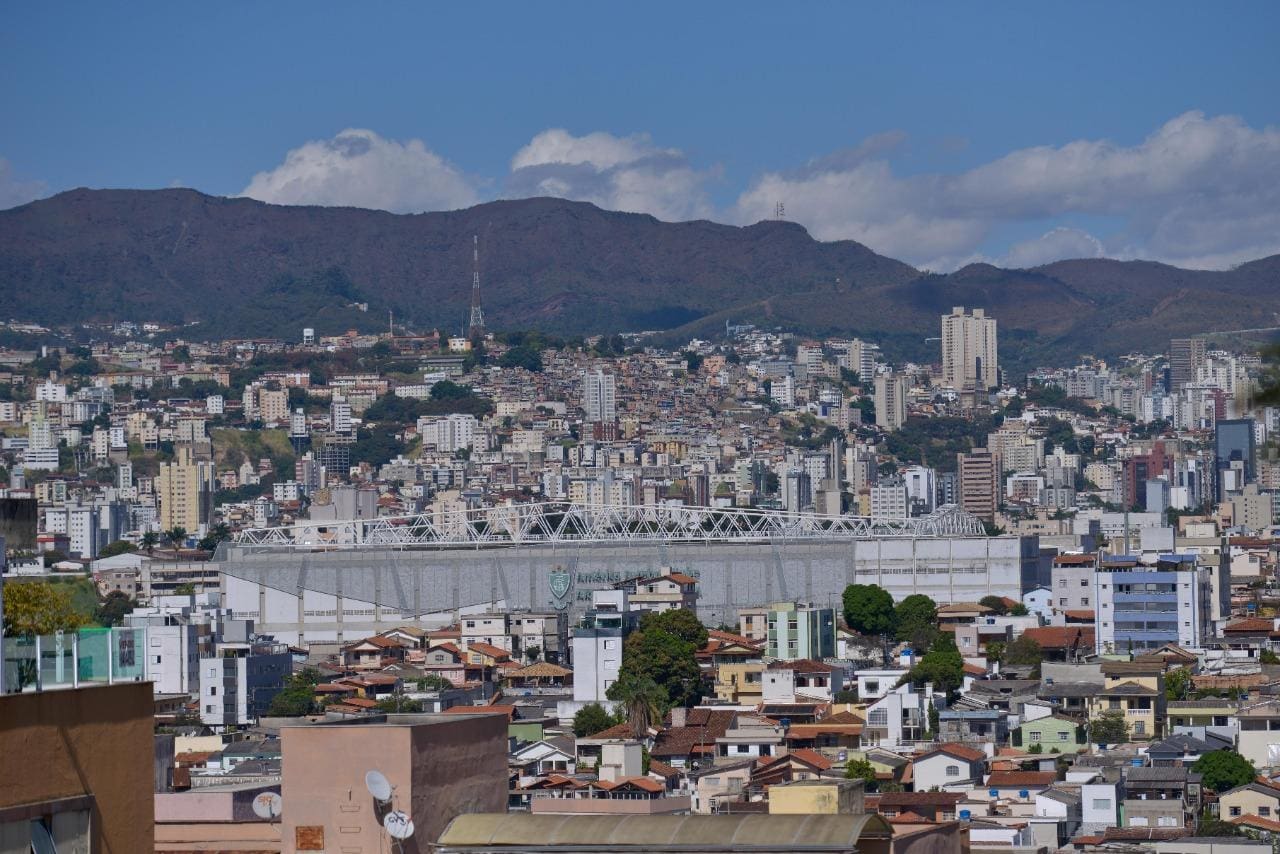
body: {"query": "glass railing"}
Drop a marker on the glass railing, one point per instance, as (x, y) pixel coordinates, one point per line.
(74, 659)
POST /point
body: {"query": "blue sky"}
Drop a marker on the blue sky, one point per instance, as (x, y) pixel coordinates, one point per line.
(938, 133)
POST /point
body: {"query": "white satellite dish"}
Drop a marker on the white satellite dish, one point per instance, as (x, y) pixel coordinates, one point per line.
(378, 785)
(398, 825)
(268, 805)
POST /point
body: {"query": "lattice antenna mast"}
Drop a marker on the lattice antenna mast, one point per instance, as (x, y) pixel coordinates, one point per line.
(477, 314)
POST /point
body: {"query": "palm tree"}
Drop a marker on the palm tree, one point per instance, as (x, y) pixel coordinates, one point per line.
(176, 535)
(642, 700)
(149, 540)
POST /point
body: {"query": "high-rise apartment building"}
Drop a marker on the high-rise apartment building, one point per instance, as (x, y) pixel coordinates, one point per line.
(969, 354)
(1186, 358)
(891, 401)
(979, 475)
(599, 396)
(185, 492)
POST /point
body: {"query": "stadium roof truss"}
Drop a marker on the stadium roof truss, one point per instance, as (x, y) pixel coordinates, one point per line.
(533, 524)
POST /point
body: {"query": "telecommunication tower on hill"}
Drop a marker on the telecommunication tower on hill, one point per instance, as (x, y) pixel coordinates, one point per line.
(477, 314)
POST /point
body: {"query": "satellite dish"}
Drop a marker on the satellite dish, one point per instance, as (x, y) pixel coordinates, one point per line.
(398, 825)
(378, 786)
(268, 805)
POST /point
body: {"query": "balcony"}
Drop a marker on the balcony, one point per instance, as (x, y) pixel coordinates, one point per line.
(75, 659)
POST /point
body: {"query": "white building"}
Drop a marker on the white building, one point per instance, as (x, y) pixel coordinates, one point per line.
(597, 647)
(448, 434)
(891, 401)
(969, 353)
(599, 396)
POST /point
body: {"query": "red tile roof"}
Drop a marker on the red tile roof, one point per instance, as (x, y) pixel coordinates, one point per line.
(1020, 779)
(1061, 637)
(812, 758)
(958, 750)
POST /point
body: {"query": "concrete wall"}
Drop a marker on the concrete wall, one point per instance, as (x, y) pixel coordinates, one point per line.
(352, 594)
(440, 767)
(89, 741)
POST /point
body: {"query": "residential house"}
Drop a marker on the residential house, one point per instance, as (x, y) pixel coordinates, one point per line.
(1020, 786)
(835, 736)
(373, 653)
(692, 736)
(933, 806)
(1182, 749)
(1257, 798)
(714, 783)
(802, 679)
(1137, 690)
(540, 758)
(740, 683)
(1161, 797)
(752, 736)
(1260, 733)
(974, 725)
(900, 716)
(1063, 643)
(1053, 734)
(666, 591)
(1200, 718)
(952, 767)
(1056, 816)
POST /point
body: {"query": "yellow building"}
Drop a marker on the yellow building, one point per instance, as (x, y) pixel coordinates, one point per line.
(1250, 799)
(817, 797)
(740, 683)
(1136, 689)
(184, 489)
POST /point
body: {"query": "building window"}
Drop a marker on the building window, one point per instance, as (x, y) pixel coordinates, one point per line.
(1139, 728)
(1035, 736)
(1084, 582)
(1102, 803)
(1064, 736)
(1265, 812)
(953, 770)
(1235, 811)
(1084, 600)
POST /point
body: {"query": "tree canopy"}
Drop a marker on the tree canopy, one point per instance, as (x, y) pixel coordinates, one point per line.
(1110, 727)
(915, 616)
(298, 697)
(941, 665)
(662, 650)
(38, 608)
(113, 608)
(1222, 770)
(591, 719)
(868, 609)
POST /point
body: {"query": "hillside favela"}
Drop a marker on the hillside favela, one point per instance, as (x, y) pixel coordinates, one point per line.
(467, 429)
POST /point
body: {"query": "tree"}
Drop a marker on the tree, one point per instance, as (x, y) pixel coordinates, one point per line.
(1268, 657)
(175, 536)
(1177, 683)
(941, 665)
(661, 651)
(113, 608)
(119, 547)
(298, 697)
(845, 695)
(1222, 770)
(38, 608)
(1018, 610)
(1109, 728)
(861, 769)
(868, 609)
(916, 614)
(186, 588)
(1210, 825)
(432, 682)
(591, 719)
(642, 699)
(1023, 650)
(680, 622)
(532, 653)
(399, 703)
(522, 357)
(149, 541)
(995, 603)
(218, 533)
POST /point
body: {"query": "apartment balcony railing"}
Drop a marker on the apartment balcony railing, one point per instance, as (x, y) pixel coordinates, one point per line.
(74, 659)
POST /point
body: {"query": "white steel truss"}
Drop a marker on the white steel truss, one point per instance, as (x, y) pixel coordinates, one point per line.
(531, 524)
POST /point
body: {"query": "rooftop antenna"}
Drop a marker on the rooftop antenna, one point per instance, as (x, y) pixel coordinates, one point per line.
(477, 315)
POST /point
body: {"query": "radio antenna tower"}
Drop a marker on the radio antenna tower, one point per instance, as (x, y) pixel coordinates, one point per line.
(477, 315)
(780, 211)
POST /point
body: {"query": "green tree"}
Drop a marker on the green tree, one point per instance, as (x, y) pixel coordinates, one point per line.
(941, 665)
(1036, 748)
(642, 699)
(399, 703)
(218, 533)
(432, 682)
(532, 653)
(38, 608)
(175, 536)
(113, 608)
(1177, 683)
(654, 653)
(915, 615)
(1109, 728)
(680, 622)
(1023, 650)
(1210, 825)
(1018, 610)
(591, 719)
(868, 609)
(1222, 770)
(298, 696)
(522, 357)
(1267, 657)
(861, 769)
(149, 541)
(118, 547)
(995, 603)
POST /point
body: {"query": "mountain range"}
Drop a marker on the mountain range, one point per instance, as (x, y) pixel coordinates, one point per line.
(242, 268)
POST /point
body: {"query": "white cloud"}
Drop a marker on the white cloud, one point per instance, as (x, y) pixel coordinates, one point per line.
(16, 191)
(619, 173)
(359, 168)
(1054, 245)
(1198, 192)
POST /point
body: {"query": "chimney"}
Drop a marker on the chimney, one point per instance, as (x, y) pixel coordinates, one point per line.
(679, 715)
